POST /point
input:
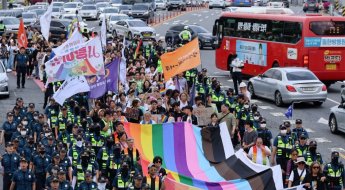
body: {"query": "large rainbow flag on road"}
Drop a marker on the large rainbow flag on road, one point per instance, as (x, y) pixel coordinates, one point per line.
(198, 158)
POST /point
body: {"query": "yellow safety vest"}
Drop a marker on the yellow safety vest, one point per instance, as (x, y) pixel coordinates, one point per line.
(281, 145)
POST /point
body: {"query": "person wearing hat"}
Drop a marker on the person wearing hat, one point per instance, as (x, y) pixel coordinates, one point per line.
(299, 130)
(20, 107)
(152, 180)
(9, 127)
(29, 148)
(63, 182)
(123, 178)
(104, 153)
(218, 97)
(231, 99)
(249, 136)
(301, 145)
(137, 183)
(10, 163)
(55, 162)
(64, 117)
(311, 155)
(245, 114)
(244, 91)
(23, 178)
(52, 113)
(235, 68)
(281, 150)
(66, 163)
(30, 112)
(75, 150)
(15, 142)
(52, 174)
(202, 86)
(38, 126)
(103, 183)
(335, 173)
(39, 164)
(265, 133)
(50, 146)
(297, 175)
(54, 184)
(88, 184)
(21, 136)
(84, 164)
(289, 132)
(190, 76)
(20, 64)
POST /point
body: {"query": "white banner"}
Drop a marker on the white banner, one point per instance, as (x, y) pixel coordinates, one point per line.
(70, 87)
(123, 69)
(104, 33)
(45, 21)
(73, 43)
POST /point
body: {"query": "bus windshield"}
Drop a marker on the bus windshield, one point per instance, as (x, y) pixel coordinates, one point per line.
(327, 28)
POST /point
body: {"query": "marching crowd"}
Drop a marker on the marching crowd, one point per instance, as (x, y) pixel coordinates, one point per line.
(83, 144)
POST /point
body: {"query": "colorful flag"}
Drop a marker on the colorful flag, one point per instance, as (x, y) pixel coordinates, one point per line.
(22, 39)
(99, 85)
(45, 20)
(289, 111)
(70, 87)
(104, 32)
(137, 49)
(180, 60)
(74, 25)
(74, 42)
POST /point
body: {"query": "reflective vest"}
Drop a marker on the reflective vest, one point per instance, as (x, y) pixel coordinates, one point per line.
(148, 182)
(2, 27)
(147, 51)
(334, 177)
(300, 152)
(53, 117)
(105, 158)
(75, 155)
(185, 35)
(309, 159)
(263, 153)
(134, 154)
(283, 149)
(121, 183)
(159, 66)
(190, 75)
(62, 124)
(112, 164)
(80, 173)
(217, 99)
(64, 138)
(105, 133)
(95, 143)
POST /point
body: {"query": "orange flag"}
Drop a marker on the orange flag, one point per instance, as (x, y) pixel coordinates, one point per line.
(22, 39)
(182, 59)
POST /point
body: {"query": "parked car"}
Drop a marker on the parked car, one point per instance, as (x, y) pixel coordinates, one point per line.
(142, 11)
(336, 121)
(216, 4)
(132, 27)
(311, 5)
(342, 93)
(29, 18)
(71, 17)
(161, 4)
(116, 3)
(11, 24)
(10, 13)
(288, 84)
(205, 37)
(177, 4)
(107, 12)
(125, 9)
(101, 5)
(89, 12)
(58, 4)
(4, 90)
(72, 7)
(32, 7)
(56, 12)
(57, 27)
(114, 19)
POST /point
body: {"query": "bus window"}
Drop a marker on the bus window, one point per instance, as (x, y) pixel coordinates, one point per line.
(277, 31)
(229, 26)
(292, 32)
(329, 28)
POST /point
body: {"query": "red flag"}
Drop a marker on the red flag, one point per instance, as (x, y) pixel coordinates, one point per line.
(22, 39)
(137, 49)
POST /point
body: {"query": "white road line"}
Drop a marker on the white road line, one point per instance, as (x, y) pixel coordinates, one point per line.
(255, 101)
(266, 107)
(218, 76)
(230, 80)
(322, 140)
(333, 101)
(277, 114)
(337, 149)
(206, 17)
(15, 94)
(309, 130)
(323, 121)
(200, 20)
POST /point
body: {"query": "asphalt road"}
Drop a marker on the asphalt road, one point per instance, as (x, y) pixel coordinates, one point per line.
(315, 119)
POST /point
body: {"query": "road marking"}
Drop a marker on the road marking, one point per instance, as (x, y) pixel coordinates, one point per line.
(337, 149)
(15, 94)
(266, 107)
(230, 80)
(206, 17)
(200, 20)
(277, 114)
(255, 101)
(219, 76)
(322, 140)
(309, 130)
(333, 101)
(185, 21)
(323, 121)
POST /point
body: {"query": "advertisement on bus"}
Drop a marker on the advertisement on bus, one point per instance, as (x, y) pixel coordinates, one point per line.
(254, 53)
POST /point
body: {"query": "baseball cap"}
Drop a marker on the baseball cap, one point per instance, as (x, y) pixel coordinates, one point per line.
(9, 144)
(55, 180)
(282, 127)
(138, 177)
(19, 99)
(62, 172)
(31, 105)
(9, 114)
(88, 173)
(298, 121)
(23, 160)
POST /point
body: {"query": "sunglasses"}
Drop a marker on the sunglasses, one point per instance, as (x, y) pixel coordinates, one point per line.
(301, 163)
(316, 167)
(158, 162)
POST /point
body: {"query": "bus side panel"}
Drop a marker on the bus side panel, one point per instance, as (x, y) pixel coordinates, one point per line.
(223, 52)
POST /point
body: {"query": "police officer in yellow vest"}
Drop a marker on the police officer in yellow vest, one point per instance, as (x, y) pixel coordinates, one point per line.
(185, 35)
(302, 146)
(104, 154)
(114, 161)
(218, 97)
(2, 27)
(96, 139)
(191, 76)
(88, 184)
(123, 178)
(335, 173)
(82, 166)
(64, 117)
(281, 151)
(311, 155)
(75, 150)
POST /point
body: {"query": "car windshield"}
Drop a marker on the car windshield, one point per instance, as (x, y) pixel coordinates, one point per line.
(58, 4)
(137, 23)
(5, 13)
(159, 1)
(39, 11)
(300, 75)
(140, 7)
(10, 21)
(29, 15)
(102, 5)
(56, 9)
(2, 70)
(71, 5)
(112, 10)
(65, 22)
(199, 29)
(88, 8)
(116, 1)
(125, 7)
(116, 18)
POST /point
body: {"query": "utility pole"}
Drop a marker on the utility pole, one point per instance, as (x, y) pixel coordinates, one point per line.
(4, 4)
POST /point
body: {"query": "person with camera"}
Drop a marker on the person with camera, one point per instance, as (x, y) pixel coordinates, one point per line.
(236, 68)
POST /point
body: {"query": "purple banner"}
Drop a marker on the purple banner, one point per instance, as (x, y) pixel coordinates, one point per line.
(99, 85)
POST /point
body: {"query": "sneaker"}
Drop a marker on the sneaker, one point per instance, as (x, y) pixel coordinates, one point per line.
(18, 86)
(9, 70)
(28, 78)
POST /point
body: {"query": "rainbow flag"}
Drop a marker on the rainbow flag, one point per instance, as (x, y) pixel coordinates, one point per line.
(187, 150)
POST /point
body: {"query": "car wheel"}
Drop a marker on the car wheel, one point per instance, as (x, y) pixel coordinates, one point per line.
(200, 45)
(317, 104)
(210, 7)
(333, 125)
(251, 90)
(278, 99)
(168, 42)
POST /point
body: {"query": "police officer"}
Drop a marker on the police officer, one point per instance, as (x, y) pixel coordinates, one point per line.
(29, 149)
(51, 146)
(335, 173)
(63, 183)
(312, 155)
(39, 164)
(9, 126)
(152, 180)
(104, 153)
(245, 114)
(114, 162)
(52, 174)
(2, 27)
(66, 162)
(30, 112)
(88, 184)
(123, 178)
(54, 184)
(64, 117)
(218, 97)
(299, 130)
(75, 150)
(137, 183)
(185, 35)
(23, 178)
(52, 113)
(96, 139)
(191, 76)
(282, 146)
(10, 163)
(265, 133)
(301, 146)
(38, 126)
(82, 166)
(21, 63)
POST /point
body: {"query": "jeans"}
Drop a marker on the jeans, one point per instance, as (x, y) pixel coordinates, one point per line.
(10, 61)
(4, 61)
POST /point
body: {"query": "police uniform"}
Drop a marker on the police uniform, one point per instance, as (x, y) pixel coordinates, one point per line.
(74, 152)
(23, 179)
(21, 65)
(310, 158)
(190, 76)
(41, 163)
(284, 145)
(10, 163)
(63, 120)
(88, 186)
(79, 172)
(9, 128)
(302, 150)
(218, 98)
(122, 182)
(243, 116)
(266, 136)
(335, 176)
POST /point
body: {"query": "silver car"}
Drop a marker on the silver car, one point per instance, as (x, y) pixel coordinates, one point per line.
(89, 11)
(287, 85)
(29, 18)
(3, 81)
(11, 23)
(337, 118)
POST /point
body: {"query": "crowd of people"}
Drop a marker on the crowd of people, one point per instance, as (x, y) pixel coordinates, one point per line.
(83, 143)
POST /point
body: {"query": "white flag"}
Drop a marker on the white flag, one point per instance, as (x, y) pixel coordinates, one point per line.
(45, 21)
(70, 87)
(73, 43)
(104, 33)
(123, 66)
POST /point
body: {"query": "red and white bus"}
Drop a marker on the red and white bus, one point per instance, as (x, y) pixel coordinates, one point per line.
(264, 41)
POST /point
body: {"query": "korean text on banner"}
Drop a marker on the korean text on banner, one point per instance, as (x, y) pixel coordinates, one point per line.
(73, 43)
(182, 59)
(22, 39)
(87, 61)
(70, 87)
(45, 20)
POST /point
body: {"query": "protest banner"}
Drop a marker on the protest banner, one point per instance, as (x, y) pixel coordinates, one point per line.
(132, 113)
(45, 20)
(73, 43)
(203, 115)
(85, 61)
(70, 87)
(22, 39)
(180, 60)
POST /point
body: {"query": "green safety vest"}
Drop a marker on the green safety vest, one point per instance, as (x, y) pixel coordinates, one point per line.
(185, 35)
(105, 158)
(2, 27)
(159, 66)
(217, 99)
(80, 173)
(53, 117)
(75, 155)
(147, 51)
(121, 183)
(300, 152)
(105, 133)
(95, 143)
(334, 177)
(284, 147)
(190, 75)
(201, 89)
(62, 124)
(309, 159)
